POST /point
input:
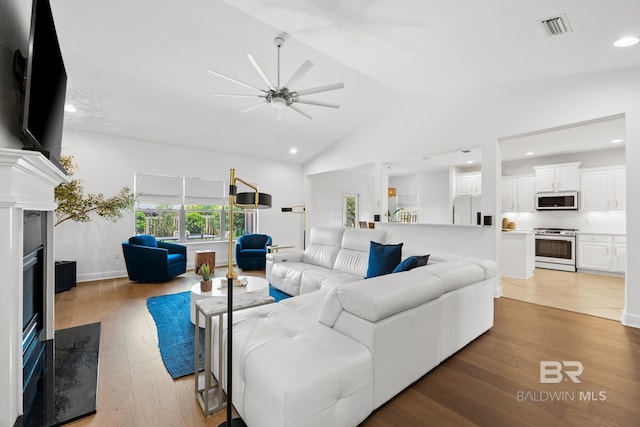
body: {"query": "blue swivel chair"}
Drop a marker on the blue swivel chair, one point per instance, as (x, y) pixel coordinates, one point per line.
(151, 260)
(251, 251)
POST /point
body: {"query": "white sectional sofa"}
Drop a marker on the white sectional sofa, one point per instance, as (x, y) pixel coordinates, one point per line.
(335, 255)
(333, 355)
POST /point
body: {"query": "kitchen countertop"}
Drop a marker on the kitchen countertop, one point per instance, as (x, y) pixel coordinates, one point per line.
(602, 233)
(518, 232)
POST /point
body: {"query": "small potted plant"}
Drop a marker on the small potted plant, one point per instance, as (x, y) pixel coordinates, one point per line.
(205, 283)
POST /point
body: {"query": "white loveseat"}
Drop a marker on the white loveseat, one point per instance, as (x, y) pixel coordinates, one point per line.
(333, 355)
(335, 255)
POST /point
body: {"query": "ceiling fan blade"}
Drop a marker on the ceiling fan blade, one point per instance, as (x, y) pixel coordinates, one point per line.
(306, 66)
(324, 88)
(260, 71)
(236, 95)
(318, 103)
(300, 111)
(231, 79)
(246, 110)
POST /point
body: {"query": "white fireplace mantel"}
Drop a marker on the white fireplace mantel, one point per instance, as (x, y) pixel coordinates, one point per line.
(27, 181)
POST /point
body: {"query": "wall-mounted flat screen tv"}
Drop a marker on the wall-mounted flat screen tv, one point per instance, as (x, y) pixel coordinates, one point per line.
(46, 86)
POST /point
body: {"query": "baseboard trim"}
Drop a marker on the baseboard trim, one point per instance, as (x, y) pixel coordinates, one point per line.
(497, 292)
(632, 320)
(90, 277)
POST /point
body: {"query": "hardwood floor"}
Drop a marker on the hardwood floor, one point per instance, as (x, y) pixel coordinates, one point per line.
(486, 383)
(593, 294)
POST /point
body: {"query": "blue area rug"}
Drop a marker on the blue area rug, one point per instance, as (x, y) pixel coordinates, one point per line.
(176, 332)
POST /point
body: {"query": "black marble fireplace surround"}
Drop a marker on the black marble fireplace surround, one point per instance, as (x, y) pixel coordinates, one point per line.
(33, 304)
(60, 375)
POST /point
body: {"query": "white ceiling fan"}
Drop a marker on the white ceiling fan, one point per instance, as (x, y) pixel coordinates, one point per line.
(281, 96)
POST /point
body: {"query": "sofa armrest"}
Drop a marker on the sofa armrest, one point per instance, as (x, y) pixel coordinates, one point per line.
(173, 248)
(380, 297)
(293, 256)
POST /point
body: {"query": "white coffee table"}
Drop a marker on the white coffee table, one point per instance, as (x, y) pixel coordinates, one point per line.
(254, 285)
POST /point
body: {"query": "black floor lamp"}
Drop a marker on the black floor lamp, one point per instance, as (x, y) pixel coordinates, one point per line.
(251, 200)
(300, 209)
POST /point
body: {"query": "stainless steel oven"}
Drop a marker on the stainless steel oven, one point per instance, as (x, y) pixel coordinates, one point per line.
(555, 248)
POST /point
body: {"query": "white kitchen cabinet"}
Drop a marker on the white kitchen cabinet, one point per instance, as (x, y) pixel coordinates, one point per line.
(619, 261)
(526, 188)
(469, 184)
(518, 194)
(620, 189)
(561, 177)
(602, 189)
(602, 253)
(509, 194)
(517, 254)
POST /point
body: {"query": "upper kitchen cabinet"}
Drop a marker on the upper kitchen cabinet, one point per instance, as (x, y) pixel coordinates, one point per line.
(603, 189)
(561, 177)
(469, 184)
(518, 194)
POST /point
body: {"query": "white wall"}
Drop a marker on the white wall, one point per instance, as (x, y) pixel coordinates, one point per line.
(325, 197)
(107, 163)
(456, 119)
(432, 188)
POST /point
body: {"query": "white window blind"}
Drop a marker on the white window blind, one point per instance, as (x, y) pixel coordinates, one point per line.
(198, 191)
(158, 189)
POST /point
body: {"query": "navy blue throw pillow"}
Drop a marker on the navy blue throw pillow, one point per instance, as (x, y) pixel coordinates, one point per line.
(411, 263)
(383, 258)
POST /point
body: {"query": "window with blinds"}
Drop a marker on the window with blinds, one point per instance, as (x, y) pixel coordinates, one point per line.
(187, 209)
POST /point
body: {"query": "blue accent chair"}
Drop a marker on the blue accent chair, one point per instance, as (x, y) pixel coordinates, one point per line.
(251, 251)
(151, 260)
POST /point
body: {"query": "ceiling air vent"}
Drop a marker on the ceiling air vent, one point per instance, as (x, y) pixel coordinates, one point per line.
(556, 25)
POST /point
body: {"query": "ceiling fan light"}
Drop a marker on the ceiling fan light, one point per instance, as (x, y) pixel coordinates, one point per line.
(278, 103)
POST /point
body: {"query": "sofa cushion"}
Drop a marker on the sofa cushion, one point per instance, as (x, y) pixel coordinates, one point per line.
(315, 279)
(324, 245)
(383, 258)
(287, 276)
(144, 240)
(411, 263)
(326, 376)
(307, 304)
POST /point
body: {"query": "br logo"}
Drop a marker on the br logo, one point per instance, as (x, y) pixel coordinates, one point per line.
(553, 371)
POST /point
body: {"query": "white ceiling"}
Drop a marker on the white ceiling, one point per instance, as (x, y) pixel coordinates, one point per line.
(139, 68)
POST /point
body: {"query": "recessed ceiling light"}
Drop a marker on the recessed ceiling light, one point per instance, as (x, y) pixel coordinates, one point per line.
(69, 108)
(615, 141)
(294, 150)
(469, 161)
(626, 41)
(529, 153)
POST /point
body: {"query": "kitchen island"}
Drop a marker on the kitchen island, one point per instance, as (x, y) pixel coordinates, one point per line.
(517, 254)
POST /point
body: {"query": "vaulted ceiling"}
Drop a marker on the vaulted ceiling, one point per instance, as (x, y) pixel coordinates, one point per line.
(139, 68)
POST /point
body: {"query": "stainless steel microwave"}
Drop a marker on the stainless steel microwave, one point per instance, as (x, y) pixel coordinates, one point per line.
(557, 201)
